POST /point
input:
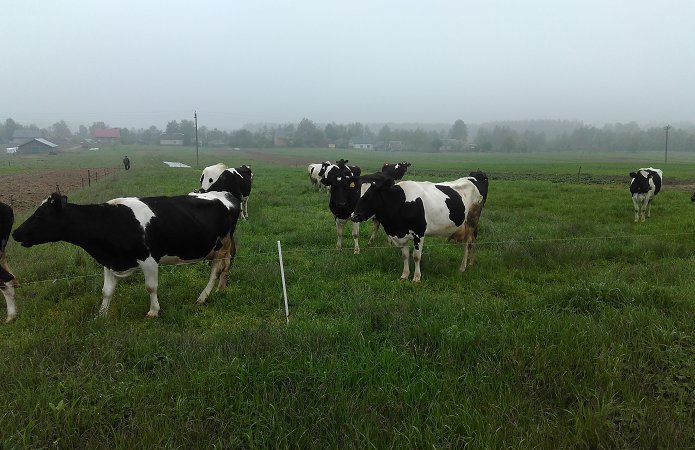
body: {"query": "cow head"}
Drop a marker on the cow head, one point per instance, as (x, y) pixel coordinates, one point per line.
(640, 182)
(370, 199)
(210, 175)
(481, 182)
(47, 224)
(324, 166)
(692, 199)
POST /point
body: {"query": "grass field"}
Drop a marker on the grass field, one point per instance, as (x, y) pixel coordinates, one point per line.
(576, 327)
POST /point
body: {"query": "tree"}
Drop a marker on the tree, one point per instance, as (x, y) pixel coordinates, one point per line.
(96, 126)
(459, 131)
(385, 134)
(437, 144)
(9, 128)
(187, 127)
(60, 132)
(307, 134)
(173, 127)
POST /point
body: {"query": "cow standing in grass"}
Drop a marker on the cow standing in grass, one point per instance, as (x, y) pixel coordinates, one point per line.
(345, 192)
(124, 234)
(645, 184)
(411, 210)
(8, 282)
(235, 180)
(316, 172)
(395, 171)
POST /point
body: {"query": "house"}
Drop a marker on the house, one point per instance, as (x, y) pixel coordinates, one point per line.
(395, 146)
(24, 135)
(282, 138)
(107, 135)
(362, 142)
(451, 145)
(171, 139)
(37, 145)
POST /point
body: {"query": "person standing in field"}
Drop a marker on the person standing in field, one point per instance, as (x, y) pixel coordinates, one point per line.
(126, 163)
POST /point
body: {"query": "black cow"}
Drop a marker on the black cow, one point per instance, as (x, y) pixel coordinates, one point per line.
(7, 281)
(411, 210)
(235, 180)
(395, 171)
(692, 197)
(126, 233)
(645, 184)
(345, 192)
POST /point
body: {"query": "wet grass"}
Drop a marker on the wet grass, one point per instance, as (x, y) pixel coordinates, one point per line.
(574, 329)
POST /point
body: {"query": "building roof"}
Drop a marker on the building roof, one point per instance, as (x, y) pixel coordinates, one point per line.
(26, 133)
(171, 137)
(107, 133)
(42, 141)
(362, 140)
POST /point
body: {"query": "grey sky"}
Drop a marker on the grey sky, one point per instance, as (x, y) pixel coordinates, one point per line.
(136, 63)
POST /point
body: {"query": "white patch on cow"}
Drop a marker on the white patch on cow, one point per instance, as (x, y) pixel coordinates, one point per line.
(211, 174)
(142, 212)
(215, 195)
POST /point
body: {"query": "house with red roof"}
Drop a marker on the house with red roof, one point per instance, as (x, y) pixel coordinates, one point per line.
(107, 135)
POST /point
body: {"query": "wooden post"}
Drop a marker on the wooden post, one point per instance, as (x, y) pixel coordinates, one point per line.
(89, 179)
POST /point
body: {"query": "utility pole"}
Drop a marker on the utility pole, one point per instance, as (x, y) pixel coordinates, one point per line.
(195, 117)
(666, 128)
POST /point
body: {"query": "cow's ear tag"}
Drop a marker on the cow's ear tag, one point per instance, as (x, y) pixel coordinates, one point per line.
(352, 184)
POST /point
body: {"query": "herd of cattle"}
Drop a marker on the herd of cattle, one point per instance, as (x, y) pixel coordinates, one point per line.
(124, 234)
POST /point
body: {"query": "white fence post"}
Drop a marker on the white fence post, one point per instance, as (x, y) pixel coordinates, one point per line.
(284, 285)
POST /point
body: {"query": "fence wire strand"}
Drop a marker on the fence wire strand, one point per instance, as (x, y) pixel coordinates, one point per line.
(272, 256)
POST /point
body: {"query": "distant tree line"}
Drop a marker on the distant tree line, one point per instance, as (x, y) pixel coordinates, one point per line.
(508, 137)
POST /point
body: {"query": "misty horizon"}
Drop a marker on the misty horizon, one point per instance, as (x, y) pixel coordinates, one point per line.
(242, 63)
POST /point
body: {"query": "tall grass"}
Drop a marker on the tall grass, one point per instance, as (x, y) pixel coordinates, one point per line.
(574, 329)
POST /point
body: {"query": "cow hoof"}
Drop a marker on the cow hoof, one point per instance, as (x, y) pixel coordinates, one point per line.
(152, 314)
(200, 301)
(356, 251)
(416, 280)
(404, 278)
(10, 319)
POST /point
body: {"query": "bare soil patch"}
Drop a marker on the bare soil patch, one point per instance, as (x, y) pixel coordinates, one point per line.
(26, 191)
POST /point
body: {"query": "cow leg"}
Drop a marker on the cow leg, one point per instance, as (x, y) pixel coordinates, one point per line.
(8, 292)
(227, 256)
(245, 208)
(356, 236)
(649, 207)
(375, 228)
(151, 270)
(405, 254)
(636, 207)
(643, 209)
(110, 282)
(417, 255)
(339, 227)
(7, 285)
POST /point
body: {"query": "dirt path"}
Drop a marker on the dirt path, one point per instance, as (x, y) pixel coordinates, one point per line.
(26, 191)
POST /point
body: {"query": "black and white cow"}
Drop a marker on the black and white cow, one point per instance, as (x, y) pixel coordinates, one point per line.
(345, 191)
(395, 171)
(316, 172)
(645, 184)
(411, 210)
(126, 233)
(692, 197)
(8, 282)
(237, 181)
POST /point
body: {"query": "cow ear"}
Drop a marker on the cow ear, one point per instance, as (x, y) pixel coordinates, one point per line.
(633, 174)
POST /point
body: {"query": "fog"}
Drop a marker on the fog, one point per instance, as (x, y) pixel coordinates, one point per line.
(140, 63)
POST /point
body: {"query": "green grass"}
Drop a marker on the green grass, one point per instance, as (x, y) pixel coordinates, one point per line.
(576, 327)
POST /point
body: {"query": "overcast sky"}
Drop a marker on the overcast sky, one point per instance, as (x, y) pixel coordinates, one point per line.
(136, 63)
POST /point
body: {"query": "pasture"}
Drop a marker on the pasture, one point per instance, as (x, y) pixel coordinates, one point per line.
(575, 328)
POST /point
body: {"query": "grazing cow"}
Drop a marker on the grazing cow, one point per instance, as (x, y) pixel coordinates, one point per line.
(126, 233)
(316, 172)
(395, 171)
(692, 197)
(7, 281)
(645, 184)
(237, 181)
(411, 210)
(345, 192)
